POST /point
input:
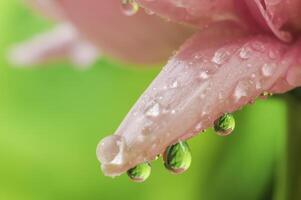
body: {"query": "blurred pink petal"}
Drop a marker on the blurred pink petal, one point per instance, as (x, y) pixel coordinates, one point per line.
(216, 71)
(195, 12)
(61, 42)
(141, 38)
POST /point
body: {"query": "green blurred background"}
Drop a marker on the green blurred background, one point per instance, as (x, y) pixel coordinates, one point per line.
(52, 117)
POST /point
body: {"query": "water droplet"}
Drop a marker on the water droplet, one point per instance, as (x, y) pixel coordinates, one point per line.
(129, 7)
(140, 172)
(267, 70)
(204, 75)
(174, 84)
(245, 53)
(111, 150)
(153, 111)
(224, 125)
(258, 46)
(177, 157)
(220, 56)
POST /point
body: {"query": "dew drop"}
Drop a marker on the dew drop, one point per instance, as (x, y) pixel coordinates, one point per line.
(258, 46)
(175, 84)
(267, 70)
(224, 125)
(153, 111)
(204, 75)
(129, 7)
(220, 57)
(110, 150)
(245, 53)
(240, 91)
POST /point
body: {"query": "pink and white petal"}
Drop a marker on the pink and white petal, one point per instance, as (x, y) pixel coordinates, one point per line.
(48, 8)
(195, 12)
(216, 71)
(292, 78)
(60, 43)
(141, 38)
(277, 16)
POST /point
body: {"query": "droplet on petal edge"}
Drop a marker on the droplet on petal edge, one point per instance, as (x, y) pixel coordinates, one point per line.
(177, 157)
(140, 172)
(129, 7)
(224, 125)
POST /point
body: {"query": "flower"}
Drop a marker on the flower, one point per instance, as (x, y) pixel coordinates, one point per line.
(240, 49)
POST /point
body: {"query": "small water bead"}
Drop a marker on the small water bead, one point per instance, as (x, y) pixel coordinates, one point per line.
(204, 75)
(174, 84)
(140, 173)
(220, 56)
(245, 53)
(224, 125)
(177, 157)
(240, 91)
(129, 7)
(267, 70)
(153, 111)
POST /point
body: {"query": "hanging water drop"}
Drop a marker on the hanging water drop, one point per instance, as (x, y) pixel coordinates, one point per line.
(140, 173)
(129, 7)
(177, 157)
(224, 125)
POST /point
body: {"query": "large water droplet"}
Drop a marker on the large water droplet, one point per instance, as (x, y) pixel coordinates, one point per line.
(224, 125)
(110, 150)
(175, 84)
(129, 7)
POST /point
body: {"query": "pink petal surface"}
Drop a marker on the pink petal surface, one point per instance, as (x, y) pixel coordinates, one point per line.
(63, 41)
(141, 38)
(216, 71)
(195, 12)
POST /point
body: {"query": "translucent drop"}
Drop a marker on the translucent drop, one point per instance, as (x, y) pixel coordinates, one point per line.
(224, 125)
(177, 157)
(140, 172)
(245, 53)
(204, 75)
(267, 70)
(240, 91)
(129, 7)
(110, 150)
(174, 84)
(153, 111)
(220, 56)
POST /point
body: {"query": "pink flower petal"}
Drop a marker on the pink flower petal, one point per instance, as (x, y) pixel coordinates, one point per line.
(277, 16)
(216, 71)
(196, 12)
(141, 38)
(61, 42)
